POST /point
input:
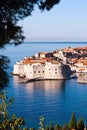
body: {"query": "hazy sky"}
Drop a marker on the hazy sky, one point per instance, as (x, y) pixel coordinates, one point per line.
(67, 21)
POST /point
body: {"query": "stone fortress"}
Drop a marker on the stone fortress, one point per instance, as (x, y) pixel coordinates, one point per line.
(58, 64)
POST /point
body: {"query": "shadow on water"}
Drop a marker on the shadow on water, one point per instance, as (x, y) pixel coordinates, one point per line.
(44, 85)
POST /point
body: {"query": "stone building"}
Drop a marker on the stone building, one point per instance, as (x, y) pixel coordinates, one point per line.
(43, 69)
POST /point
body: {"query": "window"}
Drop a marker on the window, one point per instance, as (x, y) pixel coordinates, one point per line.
(38, 71)
(34, 71)
(55, 72)
(55, 69)
(43, 71)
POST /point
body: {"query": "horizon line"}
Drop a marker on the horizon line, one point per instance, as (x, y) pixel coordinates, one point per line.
(72, 42)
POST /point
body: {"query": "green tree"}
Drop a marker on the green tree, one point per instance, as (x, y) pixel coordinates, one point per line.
(32, 128)
(73, 122)
(47, 128)
(58, 127)
(4, 65)
(65, 127)
(8, 122)
(51, 127)
(11, 11)
(80, 124)
(25, 128)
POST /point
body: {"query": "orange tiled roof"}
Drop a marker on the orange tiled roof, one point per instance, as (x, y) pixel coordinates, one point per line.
(81, 48)
(82, 60)
(32, 61)
(41, 61)
(85, 63)
(27, 60)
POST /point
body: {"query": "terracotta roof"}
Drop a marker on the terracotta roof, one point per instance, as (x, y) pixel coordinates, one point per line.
(85, 63)
(46, 58)
(41, 61)
(82, 60)
(26, 61)
(81, 48)
(32, 61)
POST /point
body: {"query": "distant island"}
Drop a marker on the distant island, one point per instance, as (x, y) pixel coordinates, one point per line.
(58, 64)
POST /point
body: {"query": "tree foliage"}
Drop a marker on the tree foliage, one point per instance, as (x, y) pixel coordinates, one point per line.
(73, 122)
(47, 128)
(48, 4)
(8, 122)
(11, 11)
(65, 127)
(4, 65)
(51, 127)
(41, 123)
(58, 127)
(80, 124)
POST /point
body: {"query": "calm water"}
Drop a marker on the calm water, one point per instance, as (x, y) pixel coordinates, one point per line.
(53, 99)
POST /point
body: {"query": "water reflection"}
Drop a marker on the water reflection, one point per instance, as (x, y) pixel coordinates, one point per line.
(48, 86)
(16, 81)
(55, 99)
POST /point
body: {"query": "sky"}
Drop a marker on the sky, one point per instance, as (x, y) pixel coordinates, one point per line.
(66, 21)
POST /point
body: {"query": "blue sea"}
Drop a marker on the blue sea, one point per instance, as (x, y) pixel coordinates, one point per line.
(56, 100)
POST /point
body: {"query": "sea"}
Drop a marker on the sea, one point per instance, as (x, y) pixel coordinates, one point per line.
(55, 100)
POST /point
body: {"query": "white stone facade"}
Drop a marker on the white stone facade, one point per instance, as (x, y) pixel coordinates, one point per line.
(18, 69)
(47, 70)
(52, 71)
(34, 71)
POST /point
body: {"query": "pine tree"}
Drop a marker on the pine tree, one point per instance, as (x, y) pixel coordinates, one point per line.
(58, 127)
(32, 128)
(65, 127)
(25, 128)
(73, 122)
(80, 124)
(47, 128)
(51, 126)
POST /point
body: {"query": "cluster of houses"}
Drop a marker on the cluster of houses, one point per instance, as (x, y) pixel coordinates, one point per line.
(75, 57)
(58, 64)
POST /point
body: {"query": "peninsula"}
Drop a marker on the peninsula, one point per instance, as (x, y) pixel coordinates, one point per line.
(58, 64)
